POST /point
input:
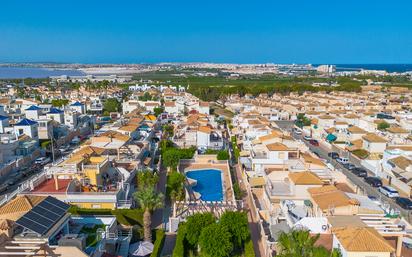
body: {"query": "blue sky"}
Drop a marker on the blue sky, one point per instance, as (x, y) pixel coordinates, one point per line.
(300, 31)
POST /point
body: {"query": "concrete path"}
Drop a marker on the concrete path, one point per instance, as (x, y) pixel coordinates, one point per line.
(251, 213)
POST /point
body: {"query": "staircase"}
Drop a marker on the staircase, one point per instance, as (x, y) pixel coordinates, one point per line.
(124, 238)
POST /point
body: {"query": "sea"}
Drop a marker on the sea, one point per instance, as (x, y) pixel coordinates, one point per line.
(386, 67)
(33, 72)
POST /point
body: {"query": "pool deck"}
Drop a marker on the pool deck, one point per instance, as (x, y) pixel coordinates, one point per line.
(210, 162)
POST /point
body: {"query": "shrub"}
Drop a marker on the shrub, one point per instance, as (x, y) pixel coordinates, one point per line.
(383, 125)
(249, 250)
(239, 194)
(158, 244)
(174, 187)
(237, 225)
(179, 250)
(361, 153)
(195, 224)
(128, 217)
(223, 155)
(215, 241)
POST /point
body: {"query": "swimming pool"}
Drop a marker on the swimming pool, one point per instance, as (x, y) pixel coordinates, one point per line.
(209, 184)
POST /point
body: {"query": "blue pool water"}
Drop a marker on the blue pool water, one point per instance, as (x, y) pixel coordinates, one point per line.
(209, 184)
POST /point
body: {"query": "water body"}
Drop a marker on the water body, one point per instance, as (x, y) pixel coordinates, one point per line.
(386, 67)
(30, 72)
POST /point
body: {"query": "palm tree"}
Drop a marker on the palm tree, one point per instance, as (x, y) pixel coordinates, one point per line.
(300, 243)
(149, 200)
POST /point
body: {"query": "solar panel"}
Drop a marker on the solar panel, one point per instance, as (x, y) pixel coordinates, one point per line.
(57, 203)
(44, 216)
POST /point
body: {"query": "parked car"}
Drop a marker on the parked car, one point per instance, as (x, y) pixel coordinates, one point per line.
(4, 188)
(389, 191)
(11, 182)
(307, 138)
(42, 160)
(333, 155)
(374, 199)
(297, 131)
(64, 149)
(314, 142)
(349, 166)
(374, 181)
(342, 160)
(404, 202)
(360, 172)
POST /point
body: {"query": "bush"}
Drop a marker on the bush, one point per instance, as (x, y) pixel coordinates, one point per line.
(249, 250)
(174, 187)
(383, 125)
(128, 217)
(223, 155)
(361, 153)
(195, 224)
(171, 156)
(239, 194)
(158, 244)
(179, 250)
(215, 241)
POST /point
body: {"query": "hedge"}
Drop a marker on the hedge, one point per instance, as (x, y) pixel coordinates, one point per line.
(179, 250)
(249, 250)
(128, 217)
(158, 244)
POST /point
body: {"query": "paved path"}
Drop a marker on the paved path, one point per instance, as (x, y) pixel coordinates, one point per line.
(253, 220)
(169, 244)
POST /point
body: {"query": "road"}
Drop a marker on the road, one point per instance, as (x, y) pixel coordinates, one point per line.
(359, 182)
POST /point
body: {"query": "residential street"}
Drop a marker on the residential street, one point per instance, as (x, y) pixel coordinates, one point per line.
(359, 182)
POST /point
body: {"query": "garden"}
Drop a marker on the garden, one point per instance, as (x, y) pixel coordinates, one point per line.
(204, 235)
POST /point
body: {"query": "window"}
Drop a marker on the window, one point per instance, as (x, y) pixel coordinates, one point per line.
(21, 131)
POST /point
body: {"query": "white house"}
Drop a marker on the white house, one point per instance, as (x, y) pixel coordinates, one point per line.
(78, 107)
(171, 108)
(33, 112)
(27, 127)
(203, 136)
(4, 122)
(373, 143)
(56, 115)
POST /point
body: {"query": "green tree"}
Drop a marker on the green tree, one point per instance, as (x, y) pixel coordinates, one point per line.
(215, 241)
(223, 155)
(147, 178)
(172, 156)
(383, 125)
(145, 97)
(195, 224)
(59, 102)
(149, 200)
(111, 105)
(301, 243)
(237, 224)
(174, 187)
(158, 110)
(168, 130)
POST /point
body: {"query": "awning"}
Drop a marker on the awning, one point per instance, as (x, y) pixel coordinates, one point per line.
(257, 181)
(331, 137)
(141, 248)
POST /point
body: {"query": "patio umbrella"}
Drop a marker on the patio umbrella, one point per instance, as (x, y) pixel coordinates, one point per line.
(141, 248)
